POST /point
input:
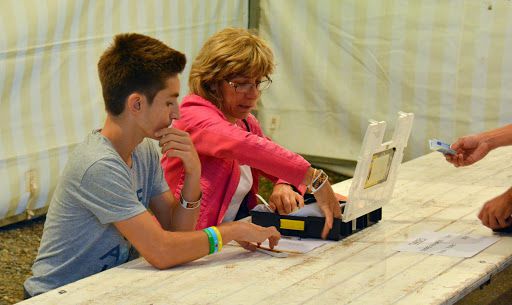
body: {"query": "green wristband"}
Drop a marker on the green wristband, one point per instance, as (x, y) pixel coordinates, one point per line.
(210, 240)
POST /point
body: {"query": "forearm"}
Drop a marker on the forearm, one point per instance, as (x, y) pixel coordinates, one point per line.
(164, 249)
(191, 190)
(185, 219)
(252, 150)
(308, 177)
(175, 248)
(182, 247)
(498, 137)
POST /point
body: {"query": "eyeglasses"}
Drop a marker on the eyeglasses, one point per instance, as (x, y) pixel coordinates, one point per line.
(244, 88)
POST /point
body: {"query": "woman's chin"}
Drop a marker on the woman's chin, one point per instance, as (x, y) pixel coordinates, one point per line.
(243, 115)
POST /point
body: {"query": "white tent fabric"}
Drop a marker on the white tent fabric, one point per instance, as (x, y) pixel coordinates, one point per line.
(341, 63)
(50, 93)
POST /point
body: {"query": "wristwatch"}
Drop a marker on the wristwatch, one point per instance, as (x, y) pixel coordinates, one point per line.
(318, 182)
(189, 205)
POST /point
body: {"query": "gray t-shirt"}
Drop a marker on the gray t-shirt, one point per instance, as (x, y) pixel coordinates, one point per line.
(96, 189)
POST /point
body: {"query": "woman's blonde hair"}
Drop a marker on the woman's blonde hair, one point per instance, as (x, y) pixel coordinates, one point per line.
(228, 53)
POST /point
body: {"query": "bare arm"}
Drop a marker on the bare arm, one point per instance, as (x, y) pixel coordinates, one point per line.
(164, 249)
(326, 200)
(171, 215)
(176, 143)
(473, 148)
(499, 137)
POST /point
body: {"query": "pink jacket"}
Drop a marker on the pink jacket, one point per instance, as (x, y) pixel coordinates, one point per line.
(222, 147)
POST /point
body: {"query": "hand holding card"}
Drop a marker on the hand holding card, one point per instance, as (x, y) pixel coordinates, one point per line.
(441, 147)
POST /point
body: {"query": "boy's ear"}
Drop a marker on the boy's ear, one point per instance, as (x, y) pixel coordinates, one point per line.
(134, 102)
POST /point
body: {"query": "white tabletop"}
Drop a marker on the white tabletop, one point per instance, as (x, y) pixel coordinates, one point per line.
(364, 268)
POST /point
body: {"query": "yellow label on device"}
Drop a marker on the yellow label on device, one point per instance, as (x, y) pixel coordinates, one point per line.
(288, 224)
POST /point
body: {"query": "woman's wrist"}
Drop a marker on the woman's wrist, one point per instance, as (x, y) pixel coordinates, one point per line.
(283, 184)
(310, 174)
(317, 180)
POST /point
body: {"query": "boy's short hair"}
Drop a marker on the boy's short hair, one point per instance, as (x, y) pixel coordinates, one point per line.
(136, 63)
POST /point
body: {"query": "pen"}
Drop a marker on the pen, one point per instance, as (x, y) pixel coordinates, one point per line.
(272, 252)
(265, 203)
(279, 251)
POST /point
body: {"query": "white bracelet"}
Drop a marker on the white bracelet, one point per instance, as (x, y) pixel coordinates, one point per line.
(190, 205)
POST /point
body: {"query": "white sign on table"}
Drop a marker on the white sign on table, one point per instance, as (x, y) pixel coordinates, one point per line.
(447, 244)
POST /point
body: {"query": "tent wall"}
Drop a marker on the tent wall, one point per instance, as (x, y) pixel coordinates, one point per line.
(50, 93)
(341, 63)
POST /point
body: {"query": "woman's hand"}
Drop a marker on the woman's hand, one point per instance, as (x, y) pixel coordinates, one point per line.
(329, 205)
(285, 199)
(325, 198)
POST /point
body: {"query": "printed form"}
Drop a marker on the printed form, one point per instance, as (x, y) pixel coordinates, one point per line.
(447, 244)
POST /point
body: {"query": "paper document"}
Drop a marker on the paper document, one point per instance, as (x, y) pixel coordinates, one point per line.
(296, 245)
(447, 244)
(311, 209)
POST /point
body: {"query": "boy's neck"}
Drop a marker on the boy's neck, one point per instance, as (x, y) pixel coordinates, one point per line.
(124, 137)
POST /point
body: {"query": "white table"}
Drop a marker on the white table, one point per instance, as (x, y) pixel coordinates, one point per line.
(430, 195)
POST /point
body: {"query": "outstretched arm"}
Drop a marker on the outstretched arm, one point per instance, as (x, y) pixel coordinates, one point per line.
(473, 148)
(325, 199)
(164, 249)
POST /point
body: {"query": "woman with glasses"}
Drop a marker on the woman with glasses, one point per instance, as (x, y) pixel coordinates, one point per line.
(226, 80)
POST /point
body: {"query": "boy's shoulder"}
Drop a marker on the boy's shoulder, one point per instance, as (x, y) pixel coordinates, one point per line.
(98, 149)
(94, 150)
